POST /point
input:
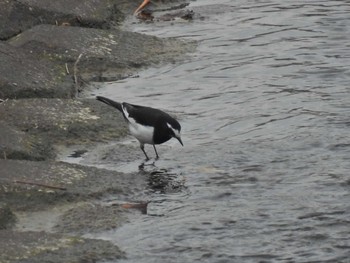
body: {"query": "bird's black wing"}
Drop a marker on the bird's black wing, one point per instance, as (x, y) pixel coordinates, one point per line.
(145, 115)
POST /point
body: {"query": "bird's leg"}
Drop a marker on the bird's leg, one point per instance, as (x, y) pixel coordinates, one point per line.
(144, 3)
(154, 147)
(142, 146)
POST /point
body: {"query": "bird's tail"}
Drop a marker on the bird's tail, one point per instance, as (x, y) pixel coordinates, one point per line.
(110, 102)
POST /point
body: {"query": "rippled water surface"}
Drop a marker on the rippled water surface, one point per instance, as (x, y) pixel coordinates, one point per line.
(264, 103)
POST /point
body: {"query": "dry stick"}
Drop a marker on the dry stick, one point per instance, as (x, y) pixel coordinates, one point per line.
(67, 69)
(75, 70)
(38, 184)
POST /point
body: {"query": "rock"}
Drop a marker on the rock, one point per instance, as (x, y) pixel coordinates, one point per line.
(91, 218)
(34, 77)
(103, 51)
(7, 217)
(35, 247)
(164, 5)
(34, 126)
(16, 144)
(38, 115)
(20, 15)
(44, 56)
(184, 14)
(181, 13)
(32, 186)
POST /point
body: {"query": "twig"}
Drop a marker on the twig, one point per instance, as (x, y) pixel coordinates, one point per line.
(38, 184)
(67, 69)
(75, 70)
(5, 156)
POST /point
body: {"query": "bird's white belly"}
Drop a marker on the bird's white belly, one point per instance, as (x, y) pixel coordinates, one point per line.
(143, 133)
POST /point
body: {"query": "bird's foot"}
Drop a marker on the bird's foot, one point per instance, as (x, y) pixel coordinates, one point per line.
(143, 164)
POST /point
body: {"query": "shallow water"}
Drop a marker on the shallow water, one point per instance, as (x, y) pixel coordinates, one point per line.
(264, 106)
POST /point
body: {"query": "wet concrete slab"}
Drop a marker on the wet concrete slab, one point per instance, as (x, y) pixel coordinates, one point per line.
(46, 207)
(32, 127)
(49, 207)
(32, 246)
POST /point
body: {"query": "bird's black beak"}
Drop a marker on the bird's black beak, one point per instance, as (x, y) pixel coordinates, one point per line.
(180, 141)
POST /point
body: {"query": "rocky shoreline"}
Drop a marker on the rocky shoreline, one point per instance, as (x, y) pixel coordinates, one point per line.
(49, 52)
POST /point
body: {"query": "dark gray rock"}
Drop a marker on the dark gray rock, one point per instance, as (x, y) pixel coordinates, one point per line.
(20, 15)
(102, 51)
(17, 144)
(24, 75)
(33, 186)
(7, 217)
(45, 56)
(35, 247)
(57, 121)
(91, 218)
(40, 116)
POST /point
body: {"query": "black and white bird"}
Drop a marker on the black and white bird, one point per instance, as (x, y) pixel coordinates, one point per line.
(146, 124)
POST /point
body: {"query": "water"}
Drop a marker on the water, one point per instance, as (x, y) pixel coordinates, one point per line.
(264, 106)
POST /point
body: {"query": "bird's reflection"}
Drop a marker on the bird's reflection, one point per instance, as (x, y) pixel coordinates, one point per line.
(161, 180)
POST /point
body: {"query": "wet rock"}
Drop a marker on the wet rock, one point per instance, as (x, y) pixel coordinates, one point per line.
(37, 185)
(181, 12)
(45, 55)
(46, 247)
(165, 5)
(149, 15)
(18, 16)
(33, 77)
(34, 126)
(102, 51)
(16, 144)
(91, 218)
(40, 116)
(7, 217)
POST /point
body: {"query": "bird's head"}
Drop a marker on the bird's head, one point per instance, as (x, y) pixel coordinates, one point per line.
(175, 131)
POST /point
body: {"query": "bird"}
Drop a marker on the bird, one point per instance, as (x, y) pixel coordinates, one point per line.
(148, 125)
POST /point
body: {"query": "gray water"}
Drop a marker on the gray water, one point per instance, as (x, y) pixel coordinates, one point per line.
(264, 106)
